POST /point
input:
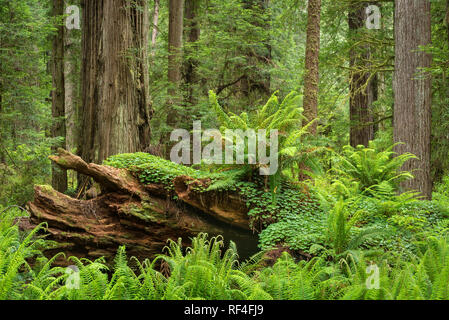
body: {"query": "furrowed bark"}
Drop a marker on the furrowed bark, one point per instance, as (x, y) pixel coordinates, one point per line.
(115, 109)
(59, 176)
(362, 90)
(412, 91)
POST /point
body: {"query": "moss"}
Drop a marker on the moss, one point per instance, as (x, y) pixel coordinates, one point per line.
(63, 162)
(150, 169)
(106, 240)
(60, 245)
(264, 207)
(139, 212)
(86, 237)
(48, 189)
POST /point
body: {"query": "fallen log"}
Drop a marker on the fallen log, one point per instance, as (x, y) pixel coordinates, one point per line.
(140, 216)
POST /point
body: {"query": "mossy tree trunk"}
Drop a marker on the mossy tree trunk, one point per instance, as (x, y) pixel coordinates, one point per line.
(361, 83)
(311, 80)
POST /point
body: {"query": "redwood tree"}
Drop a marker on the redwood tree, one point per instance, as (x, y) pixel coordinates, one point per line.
(175, 36)
(361, 83)
(412, 90)
(115, 108)
(311, 80)
(255, 84)
(59, 176)
(192, 33)
(155, 26)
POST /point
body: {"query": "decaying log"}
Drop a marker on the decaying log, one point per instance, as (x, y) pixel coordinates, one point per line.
(228, 208)
(141, 217)
(110, 179)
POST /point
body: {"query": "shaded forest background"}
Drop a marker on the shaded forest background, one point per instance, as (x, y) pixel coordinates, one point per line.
(123, 82)
(91, 90)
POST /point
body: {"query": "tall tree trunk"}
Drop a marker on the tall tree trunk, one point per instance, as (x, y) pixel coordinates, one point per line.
(255, 84)
(175, 36)
(192, 36)
(71, 78)
(59, 176)
(447, 20)
(115, 109)
(72, 94)
(412, 88)
(155, 27)
(311, 80)
(361, 83)
(2, 137)
(373, 96)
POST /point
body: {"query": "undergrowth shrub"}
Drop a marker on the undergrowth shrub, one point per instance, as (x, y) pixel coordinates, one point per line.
(296, 150)
(15, 249)
(289, 280)
(368, 168)
(207, 271)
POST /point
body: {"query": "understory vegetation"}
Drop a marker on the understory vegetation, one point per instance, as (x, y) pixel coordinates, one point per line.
(343, 233)
(207, 270)
(346, 234)
(349, 97)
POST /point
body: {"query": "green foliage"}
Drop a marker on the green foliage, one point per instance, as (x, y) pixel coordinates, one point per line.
(341, 229)
(355, 268)
(298, 231)
(292, 203)
(373, 222)
(15, 249)
(285, 117)
(291, 200)
(294, 150)
(440, 99)
(423, 278)
(244, 53)
(205, 271)
(368, 168)
(25, 113)
(234, 37)
(441, 193)
(26, 166)
(376, 219)
(288, 280)
(152, 169)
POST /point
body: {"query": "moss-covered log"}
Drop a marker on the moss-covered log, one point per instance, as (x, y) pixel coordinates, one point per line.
(139, 215)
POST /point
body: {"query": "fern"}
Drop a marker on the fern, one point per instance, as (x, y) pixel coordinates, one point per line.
(13, 254)
(204, 271)
(286, 117)
(372, 168)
